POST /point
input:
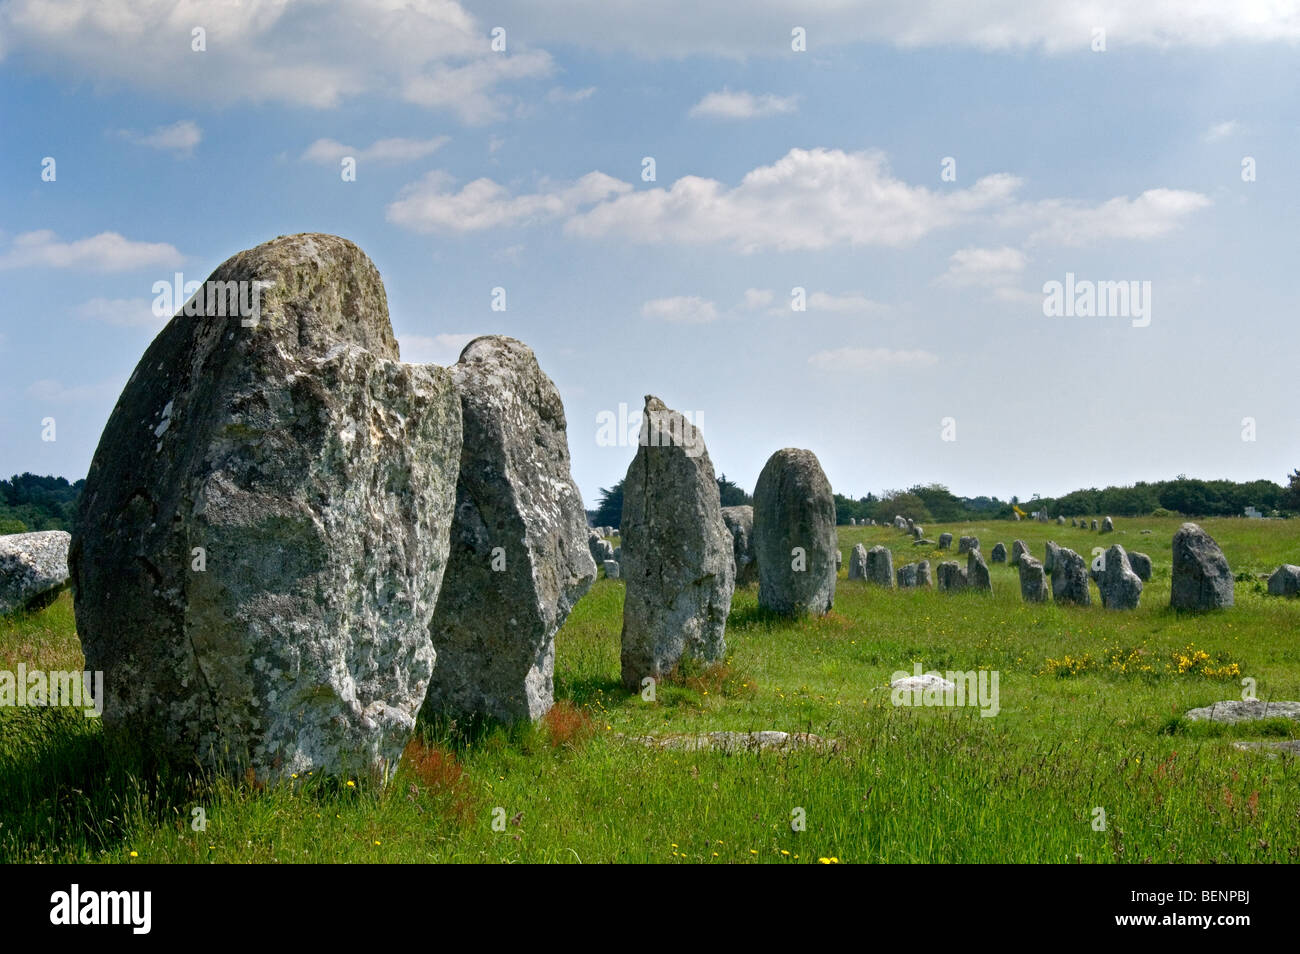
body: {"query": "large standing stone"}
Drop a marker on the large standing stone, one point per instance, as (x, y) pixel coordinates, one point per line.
(858, 562)
(264, 528)
(794, 511)
(1070, 578)
(966, 544)
(1141, 564)
(519, 558)
(33, 569)
(923, 577)
(998, 554)
(880, 566)
(1018, 550)
(977, 572)
(599, 548)
(1033, 581)
(1119, 586)
(952, 576)
(945, 541)
(677, 551)
(611, 573)
(1107, 525)
(1285, 581)
(918, 531)
(740, 521)
(1049, 557)
(907, 575)
(1201, 579)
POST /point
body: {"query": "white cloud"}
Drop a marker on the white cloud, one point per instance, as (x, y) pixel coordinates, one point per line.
(429, 206)
(987, 267)
(122, 312)
(315, 54)
(56, 392)
(1153, 214)
(105, 252)
(681, 309)
(741, 105)
(560, 95)
(180, 137)
(673, 28)
(1221, 130)
(871, 359)
(758, 298)
(330, 151)
(849, 303)
(441, 349)
(808, 199)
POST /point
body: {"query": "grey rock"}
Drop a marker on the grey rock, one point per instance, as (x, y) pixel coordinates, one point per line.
(1141, 564)
(998, 554)
(923, 543)
(1288, 747)
(1094, 525)
(33, 569)
(1033, 581)
(906, 575)
(793, 507)
(1107, 525)
(1049, 557)
(1018, 550)
(977, 572)
(318, 473)
(952, 576)
(1232, 711)
(966, 544)
(519, 558)
(732, 743)
(1201, 579)
(740, 521)
(678, 560)
(611, 573)
(945, 541)
(858, 562)
(1073, 522)
(839, 560)
(1060, 521)
(1070, 578)
(599, 548)
(880, 566)
(923, 575)
(1119, 586)
(1285, 581)
(1144, 531)
(918, 531)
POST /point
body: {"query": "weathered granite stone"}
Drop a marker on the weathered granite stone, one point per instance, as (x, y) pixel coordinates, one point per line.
(1119, 586)
(1049, 557)
(907, 575)
(918, 531)
(1070, 578)
(264, 528)
(1232, 711)
(678, 560)
(1107, 525)
(1201, 579)
(519, 556)
(998, 554)
(33, 569)
(1018, 549)
(952, 576)
(1094, 525)
(880, 566)
(966, 544)
(611, 573)
(740, 521)
(794, 534)
(1141, 564)
(1285, 580)
(599, 548)
(858, 562)
(1033, 581)
(1060, 521)
(923, 576)
(945, 541)
(977, 572)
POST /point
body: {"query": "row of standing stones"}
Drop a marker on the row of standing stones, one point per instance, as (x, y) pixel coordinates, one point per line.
(285, 527)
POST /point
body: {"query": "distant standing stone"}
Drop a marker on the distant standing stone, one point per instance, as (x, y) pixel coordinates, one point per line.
(998, 554)
(1285, 581)
(1033, 581)
(794, 535)
(740, 521)
(1018, 550)
(966, 544)
(839, 560)
(907, 575)
(1060, 521)
(945, 541)
(1049, 557)
(1070, 578)
(880, 566)
(1094, 525)
(977, 572)
(1119, 586)
(33, 568)
(1141, 564)
(1107, 525)
(611, 569)
(858, 562)
(952, 576)
(918, 531)
(923, 576)
(1201, 579)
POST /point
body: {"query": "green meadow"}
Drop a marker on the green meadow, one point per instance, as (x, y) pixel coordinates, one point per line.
(1090, 729)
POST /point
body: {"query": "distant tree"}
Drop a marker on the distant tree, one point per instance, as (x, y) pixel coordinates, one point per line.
(732, 495)
(609, 512)
(1290, 498)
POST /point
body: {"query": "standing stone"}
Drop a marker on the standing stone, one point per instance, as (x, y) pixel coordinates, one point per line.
(1094, 525)
(911, 524)
(1049, 557)
(977, 572)
(858, 562)
(998, 553)
(923, 577)
(1107, 525)
(907, 575)
(945, 541)
(839, 560)
(611, 573)
(599, 548)
(740, 521)
(263, 532)
(1070, 578)
(33, 569)
(1073, 522)
(1033, 581)
(1201, 579)
(952, 576)
(1060, 521)
(853, 521)
(1119, 586)
(918, 531)
(677, 551)
(966, 544)
(1018, 550)
(1141, 564)
(1285, 581)
(880, 566)
(519, 560)
(794, 510)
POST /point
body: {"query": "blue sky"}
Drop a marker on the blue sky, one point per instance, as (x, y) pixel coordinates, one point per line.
(775, 169)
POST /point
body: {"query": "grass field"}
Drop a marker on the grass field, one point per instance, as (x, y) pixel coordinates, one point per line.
(1090, 718)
